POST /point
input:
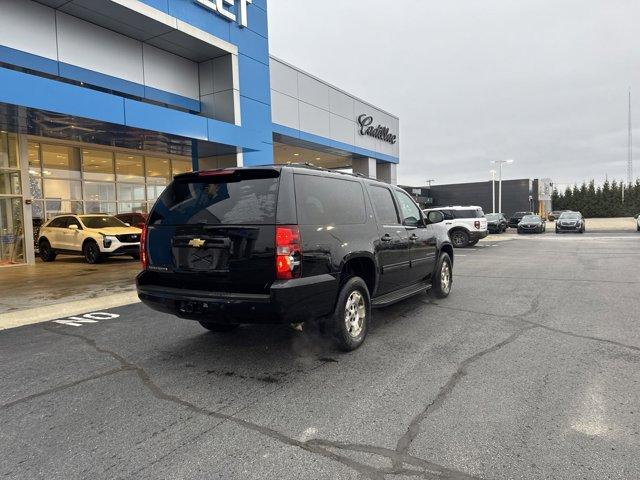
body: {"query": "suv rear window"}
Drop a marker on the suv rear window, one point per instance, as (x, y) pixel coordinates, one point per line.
(468, 213)
(246, 197)
(324, 201)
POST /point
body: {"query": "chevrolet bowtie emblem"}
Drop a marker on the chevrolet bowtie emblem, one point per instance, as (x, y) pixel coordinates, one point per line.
(196, 242)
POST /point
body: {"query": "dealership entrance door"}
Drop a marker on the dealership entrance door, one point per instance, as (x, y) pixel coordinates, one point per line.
(12, 231)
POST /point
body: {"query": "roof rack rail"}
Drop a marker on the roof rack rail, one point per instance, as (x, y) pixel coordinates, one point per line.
(311, 166)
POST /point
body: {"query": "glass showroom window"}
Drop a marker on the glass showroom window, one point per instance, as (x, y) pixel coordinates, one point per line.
(61, 175)
(180, 165)
(60, 162)
(100, 197)
(11, 213)
(131, 198)
(62, 196)
(158, 176)
(98, 165)
(130, 168)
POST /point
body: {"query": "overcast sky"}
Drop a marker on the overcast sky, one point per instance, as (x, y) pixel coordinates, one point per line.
(544, 82)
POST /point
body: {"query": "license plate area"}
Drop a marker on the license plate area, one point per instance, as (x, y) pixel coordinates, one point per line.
(202, 254)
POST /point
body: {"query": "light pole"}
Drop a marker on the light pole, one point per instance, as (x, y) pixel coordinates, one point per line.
(500, 163)
(493, 191)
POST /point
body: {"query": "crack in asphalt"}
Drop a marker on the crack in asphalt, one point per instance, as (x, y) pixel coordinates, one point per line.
(542, 326)
(404, 443)
(429, 470)
(64, 386)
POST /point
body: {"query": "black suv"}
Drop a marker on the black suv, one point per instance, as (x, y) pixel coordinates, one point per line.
(289, 244)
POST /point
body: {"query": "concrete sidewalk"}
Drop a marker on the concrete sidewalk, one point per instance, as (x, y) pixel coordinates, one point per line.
(67, 286)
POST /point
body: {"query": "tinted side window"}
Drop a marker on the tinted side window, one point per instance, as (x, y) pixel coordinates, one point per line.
(383, 204)
(324, 201)
(410, 211)
(73, 221)
(447, 214)
(58, 222)
(467, 213)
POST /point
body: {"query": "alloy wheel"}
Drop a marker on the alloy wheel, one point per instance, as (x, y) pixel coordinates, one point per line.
(445, 277)
(458, 239)
(91, 253)
(355, 314)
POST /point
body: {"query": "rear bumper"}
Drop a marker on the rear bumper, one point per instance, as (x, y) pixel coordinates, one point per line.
(478, 235)
(126, 250)
(566, 228)
(288, 301)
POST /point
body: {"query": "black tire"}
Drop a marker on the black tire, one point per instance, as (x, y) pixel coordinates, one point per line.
(350, 320)
(219, 327)
(638, 228)
(91, 253)
(47, 254)
(557, 231)
(441, 281)
(473, 243)
(459, 238)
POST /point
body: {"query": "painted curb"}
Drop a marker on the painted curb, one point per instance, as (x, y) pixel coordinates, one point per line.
(61, 310)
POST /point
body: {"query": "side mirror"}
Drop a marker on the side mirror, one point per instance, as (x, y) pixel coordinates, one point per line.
(435, 217)
(73, 227)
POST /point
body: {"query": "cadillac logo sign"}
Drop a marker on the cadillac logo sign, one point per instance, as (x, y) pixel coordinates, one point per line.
(365, 122)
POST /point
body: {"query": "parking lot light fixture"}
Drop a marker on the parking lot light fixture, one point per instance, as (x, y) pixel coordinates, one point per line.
(500, 163)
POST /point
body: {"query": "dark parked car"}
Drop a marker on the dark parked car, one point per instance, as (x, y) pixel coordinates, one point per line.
(496, 222)
(554, 215)
(134, 219)
(273, 245)
(532, 224)
(570, 222)
(517, 217)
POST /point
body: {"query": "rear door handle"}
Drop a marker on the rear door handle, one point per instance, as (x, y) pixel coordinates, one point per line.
(386, 238)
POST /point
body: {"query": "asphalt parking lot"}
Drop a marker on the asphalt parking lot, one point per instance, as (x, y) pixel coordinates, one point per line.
(528, 370)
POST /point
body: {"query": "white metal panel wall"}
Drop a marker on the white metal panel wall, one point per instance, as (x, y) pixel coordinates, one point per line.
(219, 97)
(95, 48)
(171, 73)
(34, 28)
(303, 102)
(28, 26)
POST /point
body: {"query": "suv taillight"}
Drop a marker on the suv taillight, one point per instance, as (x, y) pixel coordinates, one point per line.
(477, 224)
(288, 253)
(144, 259)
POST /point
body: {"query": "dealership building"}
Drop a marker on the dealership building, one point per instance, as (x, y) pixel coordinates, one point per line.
(518, 195)
(103, 102)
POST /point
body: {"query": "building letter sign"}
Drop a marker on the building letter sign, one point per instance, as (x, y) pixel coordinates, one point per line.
(365, 122)
(221, 7)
